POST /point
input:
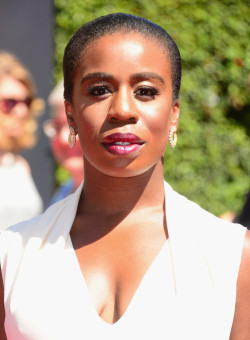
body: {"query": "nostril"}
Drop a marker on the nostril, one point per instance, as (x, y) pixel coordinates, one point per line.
(132, 120)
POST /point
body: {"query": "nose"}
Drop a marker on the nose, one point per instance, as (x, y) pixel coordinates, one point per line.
(123, 108)
(20, 110)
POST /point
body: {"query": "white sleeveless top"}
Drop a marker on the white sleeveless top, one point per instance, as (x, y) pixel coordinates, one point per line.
(188, 292)
(19, 198)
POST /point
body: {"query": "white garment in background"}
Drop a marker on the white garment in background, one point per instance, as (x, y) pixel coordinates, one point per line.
(19, 198)
(188, 292)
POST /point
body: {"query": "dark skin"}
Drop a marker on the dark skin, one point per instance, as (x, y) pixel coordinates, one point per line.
(120, 227)
(241, 324)
(120, 223)
(120, 248)
(2, 312)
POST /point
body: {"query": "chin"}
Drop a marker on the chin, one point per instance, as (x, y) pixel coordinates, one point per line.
(124, 170)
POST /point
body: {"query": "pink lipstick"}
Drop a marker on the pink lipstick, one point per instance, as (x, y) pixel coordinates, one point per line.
(122, 143)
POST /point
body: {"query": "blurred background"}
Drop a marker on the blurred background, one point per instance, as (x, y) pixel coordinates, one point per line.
(27, 30)
(211, 163)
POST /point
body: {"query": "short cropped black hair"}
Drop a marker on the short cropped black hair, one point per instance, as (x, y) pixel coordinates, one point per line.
(110, 24)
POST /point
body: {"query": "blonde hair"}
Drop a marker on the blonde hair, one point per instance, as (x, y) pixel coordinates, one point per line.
(11, 66)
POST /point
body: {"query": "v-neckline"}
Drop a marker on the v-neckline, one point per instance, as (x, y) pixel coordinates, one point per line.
(132, 302)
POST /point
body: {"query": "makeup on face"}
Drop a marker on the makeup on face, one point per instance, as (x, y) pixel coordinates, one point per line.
(122, 143)
(123, 104)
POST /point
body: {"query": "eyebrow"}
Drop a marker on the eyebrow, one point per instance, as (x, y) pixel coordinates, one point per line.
(97, 75)
(147, 76)
(136, 76)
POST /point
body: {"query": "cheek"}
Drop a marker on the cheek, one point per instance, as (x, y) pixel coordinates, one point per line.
(77, 148)
(89, 125)
(158, 122)
(87, 133)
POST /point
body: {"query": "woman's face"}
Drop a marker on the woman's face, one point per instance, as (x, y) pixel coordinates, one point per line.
(14, 106)
(123, 104)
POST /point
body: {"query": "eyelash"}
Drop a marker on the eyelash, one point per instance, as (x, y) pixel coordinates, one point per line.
(103, 89)
(98, 88)
(154, 92)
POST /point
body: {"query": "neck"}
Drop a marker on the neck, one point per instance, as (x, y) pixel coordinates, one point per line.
(111, 195)
(77, 176)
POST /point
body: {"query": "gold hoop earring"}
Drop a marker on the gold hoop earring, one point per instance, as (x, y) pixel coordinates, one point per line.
(173, 136)
(72, 137)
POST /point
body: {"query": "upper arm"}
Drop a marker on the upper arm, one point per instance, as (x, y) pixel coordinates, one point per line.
(2, 312)
(241, 323)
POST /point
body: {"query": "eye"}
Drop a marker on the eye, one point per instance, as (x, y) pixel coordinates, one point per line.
(98, 91)
(146, 92)
(10, 103)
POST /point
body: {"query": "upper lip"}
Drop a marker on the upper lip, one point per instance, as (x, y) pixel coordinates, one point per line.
(122, 137)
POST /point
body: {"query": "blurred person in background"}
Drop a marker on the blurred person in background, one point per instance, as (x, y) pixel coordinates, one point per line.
(71, 159)
(19, 106)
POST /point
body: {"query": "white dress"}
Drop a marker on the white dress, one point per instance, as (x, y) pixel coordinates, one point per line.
(19, 198)
(188, 292)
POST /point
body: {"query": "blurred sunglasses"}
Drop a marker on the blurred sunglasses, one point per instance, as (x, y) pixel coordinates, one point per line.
(8, 104)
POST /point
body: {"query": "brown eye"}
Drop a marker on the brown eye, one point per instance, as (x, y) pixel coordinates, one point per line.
(98, 91)
(146, 92)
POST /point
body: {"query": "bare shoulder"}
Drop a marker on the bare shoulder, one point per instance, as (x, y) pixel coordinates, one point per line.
(2, 312)
(241, 323)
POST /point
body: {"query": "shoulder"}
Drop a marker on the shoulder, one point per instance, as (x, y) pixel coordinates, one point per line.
(241, 323)
(221, 241)
(243, 285)
(57, 219)
(198, 218)
(37, 227)
(244, 273)
(22, 242)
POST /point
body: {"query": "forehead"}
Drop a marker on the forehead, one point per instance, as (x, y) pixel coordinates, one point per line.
(125, 50)
(12, 88)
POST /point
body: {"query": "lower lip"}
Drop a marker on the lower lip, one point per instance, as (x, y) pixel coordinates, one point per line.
(122, 150)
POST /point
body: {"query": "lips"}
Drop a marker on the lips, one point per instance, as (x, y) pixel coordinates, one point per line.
(122, 143)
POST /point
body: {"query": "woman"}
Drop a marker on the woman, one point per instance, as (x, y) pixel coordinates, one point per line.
(19, 105)
(56, 129)
(125, 257)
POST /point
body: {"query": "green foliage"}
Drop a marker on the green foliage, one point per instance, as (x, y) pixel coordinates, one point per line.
(62, 175)
(211, 163)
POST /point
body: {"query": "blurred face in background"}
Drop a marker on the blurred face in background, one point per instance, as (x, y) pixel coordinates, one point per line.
(14, 107)
(58, 131)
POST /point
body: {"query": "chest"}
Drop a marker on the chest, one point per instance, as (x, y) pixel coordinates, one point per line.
(114, 260)
(114, 270)
(58, 296)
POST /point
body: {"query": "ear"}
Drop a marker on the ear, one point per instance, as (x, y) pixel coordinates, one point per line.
(70, 115)
(175, 113)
